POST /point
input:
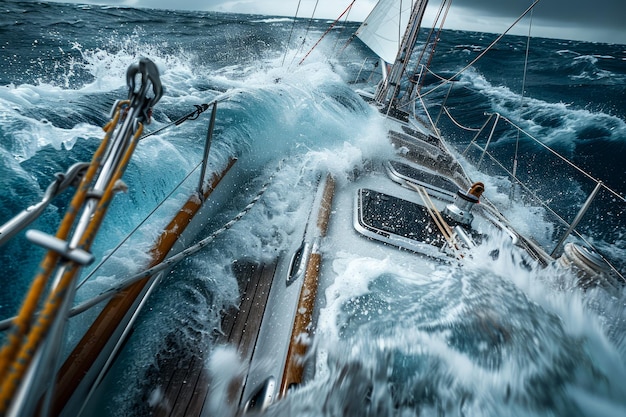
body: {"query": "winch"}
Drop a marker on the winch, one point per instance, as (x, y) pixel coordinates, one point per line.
(460, 210)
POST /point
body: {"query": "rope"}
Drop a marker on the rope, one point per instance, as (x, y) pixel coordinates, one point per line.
(429, 40)
(445, 80)
(119, 245)
(547, 207)
(173, 260)
(460, 126)
(21, 322)
(163, 265)
(345, 20)
(568, 162)
(552, 151)
(72, 178)
(108, 164)
(200, 108)
(441, 224)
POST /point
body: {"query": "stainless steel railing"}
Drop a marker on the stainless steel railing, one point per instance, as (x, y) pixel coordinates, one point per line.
(486, 135)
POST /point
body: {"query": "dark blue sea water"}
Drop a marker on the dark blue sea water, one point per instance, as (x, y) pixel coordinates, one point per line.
(496, 340)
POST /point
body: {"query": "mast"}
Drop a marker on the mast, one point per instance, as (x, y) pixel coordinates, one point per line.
(388, 90)
(427, 52)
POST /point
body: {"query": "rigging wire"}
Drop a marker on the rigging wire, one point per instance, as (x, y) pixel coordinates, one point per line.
(327, 31)
(433, 37)
(457, 124)
(190, 116)
(21, 349)
(400, 28)
(306, 33)
(23, 322)
(141, 223)
(345, 20)
(293, 25)
(521, 103)
(483, 52)
(167, 263)
(173, 260)
(349, 40)
(200, 108)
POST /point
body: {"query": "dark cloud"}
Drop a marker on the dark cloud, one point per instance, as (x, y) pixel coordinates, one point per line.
(602, 13)
(595, 20)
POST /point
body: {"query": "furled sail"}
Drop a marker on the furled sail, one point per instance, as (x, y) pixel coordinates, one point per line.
(383, 29)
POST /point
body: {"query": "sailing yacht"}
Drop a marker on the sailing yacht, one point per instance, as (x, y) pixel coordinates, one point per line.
(416, 208)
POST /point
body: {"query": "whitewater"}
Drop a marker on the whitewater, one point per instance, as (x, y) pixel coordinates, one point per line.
(497, 337)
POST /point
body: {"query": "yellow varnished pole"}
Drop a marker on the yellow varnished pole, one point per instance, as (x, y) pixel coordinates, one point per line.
(18, 353)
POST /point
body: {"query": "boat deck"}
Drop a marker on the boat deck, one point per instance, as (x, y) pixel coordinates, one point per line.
(183, 377)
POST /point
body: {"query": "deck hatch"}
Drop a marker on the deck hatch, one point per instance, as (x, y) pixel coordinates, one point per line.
(396, 221)
(400, 172)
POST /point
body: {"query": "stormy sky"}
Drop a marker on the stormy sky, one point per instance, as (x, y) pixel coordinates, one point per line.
(592, 20)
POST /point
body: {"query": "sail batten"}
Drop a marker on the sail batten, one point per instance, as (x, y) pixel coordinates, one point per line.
(383, 29)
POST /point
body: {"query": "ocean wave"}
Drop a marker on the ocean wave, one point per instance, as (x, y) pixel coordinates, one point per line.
(465, 341)
(554, 123)
(274, 20)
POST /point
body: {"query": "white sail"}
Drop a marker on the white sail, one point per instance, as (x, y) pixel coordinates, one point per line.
(383, 29)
